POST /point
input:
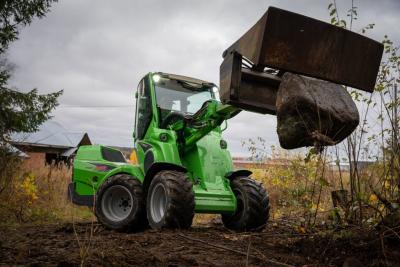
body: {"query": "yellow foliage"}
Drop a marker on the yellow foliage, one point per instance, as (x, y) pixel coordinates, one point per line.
(314, 207)
(29, 188)
(387, 184)
(373, 198)
(277, 214)
(301, 230)
(381, 208)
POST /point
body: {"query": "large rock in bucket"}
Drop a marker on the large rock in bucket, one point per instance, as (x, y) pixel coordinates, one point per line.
(313, 112)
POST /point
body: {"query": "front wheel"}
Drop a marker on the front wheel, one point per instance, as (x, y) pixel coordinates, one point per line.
(170, 200)
(252, 210)
(120, 203)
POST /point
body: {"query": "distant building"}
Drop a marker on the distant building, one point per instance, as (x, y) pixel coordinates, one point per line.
(250, 163)
(345, 166)
(51, 144)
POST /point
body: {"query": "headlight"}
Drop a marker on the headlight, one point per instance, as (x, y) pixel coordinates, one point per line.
(156, 78)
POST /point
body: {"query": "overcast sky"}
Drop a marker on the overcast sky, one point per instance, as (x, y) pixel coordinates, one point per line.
(97, 51)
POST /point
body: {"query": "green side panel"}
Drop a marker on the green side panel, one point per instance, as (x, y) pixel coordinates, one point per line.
(86, 176)
(163, 151)
(207, 163)
(90, 169)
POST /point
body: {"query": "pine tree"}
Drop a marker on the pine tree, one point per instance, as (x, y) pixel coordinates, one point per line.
(20, 112)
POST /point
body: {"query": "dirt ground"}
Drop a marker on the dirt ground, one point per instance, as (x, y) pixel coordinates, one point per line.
(204, 245)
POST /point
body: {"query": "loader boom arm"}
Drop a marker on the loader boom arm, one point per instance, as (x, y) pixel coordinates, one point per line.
(194, 127)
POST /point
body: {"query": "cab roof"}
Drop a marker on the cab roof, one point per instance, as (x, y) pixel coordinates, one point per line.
(183, 78)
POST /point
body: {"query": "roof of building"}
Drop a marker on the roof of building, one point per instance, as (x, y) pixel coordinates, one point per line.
(50, 133)
(15, 151)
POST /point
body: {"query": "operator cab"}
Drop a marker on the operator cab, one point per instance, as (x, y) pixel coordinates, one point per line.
(179, 96)
(168, 98)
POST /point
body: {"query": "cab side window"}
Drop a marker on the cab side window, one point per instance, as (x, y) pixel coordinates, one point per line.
(143, 110)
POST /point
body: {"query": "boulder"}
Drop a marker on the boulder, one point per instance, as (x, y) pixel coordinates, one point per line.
(313, 112)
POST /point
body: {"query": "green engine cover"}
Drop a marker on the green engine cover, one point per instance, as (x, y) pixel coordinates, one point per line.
(94, 164)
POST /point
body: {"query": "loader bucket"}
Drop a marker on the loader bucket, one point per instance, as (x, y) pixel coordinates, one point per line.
(293, 66)
(289, 42)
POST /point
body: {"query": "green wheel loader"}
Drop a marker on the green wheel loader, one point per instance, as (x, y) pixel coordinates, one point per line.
(184, 166)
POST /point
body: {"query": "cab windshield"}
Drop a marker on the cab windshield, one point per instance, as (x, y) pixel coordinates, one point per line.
(180, 96)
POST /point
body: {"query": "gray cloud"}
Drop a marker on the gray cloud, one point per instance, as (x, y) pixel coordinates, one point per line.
(97, 51)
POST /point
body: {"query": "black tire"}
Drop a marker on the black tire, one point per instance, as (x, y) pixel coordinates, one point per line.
(170, 201)
(134, 216)
(252, 206)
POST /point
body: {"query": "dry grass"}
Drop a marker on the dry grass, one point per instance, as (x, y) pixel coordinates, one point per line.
(303, 189)
(299, 188)
(38, 193)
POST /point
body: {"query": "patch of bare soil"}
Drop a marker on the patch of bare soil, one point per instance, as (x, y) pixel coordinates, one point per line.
(204, 245)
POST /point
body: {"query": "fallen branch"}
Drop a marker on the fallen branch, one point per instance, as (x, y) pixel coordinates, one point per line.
(282, 235)
(276, 263)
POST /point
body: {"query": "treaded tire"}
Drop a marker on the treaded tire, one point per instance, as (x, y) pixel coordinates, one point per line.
(136, 218)
(177, 204)
(252, 206)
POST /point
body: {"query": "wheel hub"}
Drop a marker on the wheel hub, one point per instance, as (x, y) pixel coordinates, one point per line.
(117, 203)
(158, 202)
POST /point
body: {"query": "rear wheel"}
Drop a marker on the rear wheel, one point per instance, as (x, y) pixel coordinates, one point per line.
(120, 203)
(170, 201)
(252, 211)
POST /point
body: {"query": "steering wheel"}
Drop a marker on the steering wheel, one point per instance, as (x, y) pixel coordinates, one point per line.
(173, 117)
